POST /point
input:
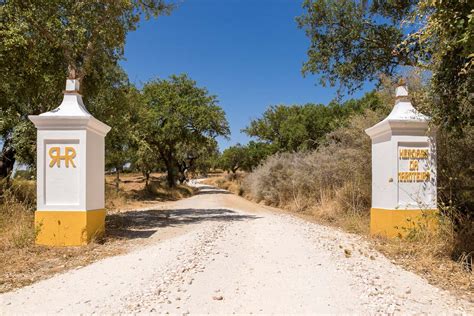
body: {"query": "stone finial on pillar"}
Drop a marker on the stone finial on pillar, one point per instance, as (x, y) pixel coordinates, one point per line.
(70, 172)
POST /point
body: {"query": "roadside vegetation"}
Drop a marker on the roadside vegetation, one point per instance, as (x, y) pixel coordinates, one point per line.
(319, 165)
(332, 185)
(161, 134)
(22, 262)
(310, 159)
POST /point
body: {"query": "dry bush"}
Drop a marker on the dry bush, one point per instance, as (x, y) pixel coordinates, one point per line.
(114, 199)
(232, 176)
(333, 181)
(274, 181)
(231, 182)
(20, 190)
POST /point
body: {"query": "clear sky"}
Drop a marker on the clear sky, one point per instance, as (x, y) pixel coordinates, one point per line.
(247, 52)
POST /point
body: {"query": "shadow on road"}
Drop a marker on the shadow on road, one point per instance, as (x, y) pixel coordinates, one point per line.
(143, 224)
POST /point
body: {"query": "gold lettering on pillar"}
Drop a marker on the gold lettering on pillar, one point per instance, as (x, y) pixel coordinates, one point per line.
(56, 157)
(414, 156)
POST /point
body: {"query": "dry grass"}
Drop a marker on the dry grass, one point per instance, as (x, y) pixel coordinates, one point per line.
(229, 182)
(132, 192)
(16, 215)
(434, 254)
(22, 262)
(423, 257)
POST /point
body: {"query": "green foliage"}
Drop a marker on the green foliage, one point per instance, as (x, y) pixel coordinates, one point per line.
(81, 31)
(245, 158)
(293, 128)
(232, 158)
(196, 156)
(115, 103)
(41, 42)
(24, 143)
(255, 153)
(445, 45)
(353, 41)
(456, 173)
(182, 118)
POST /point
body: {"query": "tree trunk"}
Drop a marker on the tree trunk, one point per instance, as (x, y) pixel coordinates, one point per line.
(170, 173)
(171, 177)
(7, 159)
(117, 179)
(167, 157)
(147, 179)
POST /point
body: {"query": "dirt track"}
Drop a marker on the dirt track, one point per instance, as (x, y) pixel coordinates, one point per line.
(235, 256)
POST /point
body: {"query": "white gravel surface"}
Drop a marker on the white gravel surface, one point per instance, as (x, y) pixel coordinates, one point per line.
(239, 257)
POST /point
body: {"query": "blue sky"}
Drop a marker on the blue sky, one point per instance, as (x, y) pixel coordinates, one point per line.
(247, 52)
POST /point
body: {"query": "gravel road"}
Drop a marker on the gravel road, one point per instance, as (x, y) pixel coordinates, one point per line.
(238, 257)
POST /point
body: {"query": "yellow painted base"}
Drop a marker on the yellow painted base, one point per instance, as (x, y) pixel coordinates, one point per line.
(68, 228)
(399, 223)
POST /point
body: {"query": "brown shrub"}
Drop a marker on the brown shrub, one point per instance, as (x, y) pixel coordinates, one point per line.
(333, 180)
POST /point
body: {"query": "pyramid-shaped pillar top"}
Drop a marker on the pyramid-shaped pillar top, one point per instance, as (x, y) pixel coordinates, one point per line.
(404, 117)
(70, 114)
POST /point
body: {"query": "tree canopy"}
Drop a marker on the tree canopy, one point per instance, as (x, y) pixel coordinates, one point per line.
(43, 42)
(355, 41)
(303, 127)
(181, 118)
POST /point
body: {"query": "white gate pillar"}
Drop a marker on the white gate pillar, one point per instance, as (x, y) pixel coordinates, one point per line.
(70, 173)
(403, 170)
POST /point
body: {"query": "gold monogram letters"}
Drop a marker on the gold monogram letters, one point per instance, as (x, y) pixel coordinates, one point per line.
(56, 157)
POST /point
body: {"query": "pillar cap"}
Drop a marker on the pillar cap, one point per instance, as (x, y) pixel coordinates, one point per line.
(401, 91)
(72, 85)
(71, 113)
(403, 116)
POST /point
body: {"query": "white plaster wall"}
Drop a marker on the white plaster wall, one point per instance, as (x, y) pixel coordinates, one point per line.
(387, 192)
(416, 195)
(382, 188)
(404, 126)
(75, 188)
(61, 188)
(95, 182)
